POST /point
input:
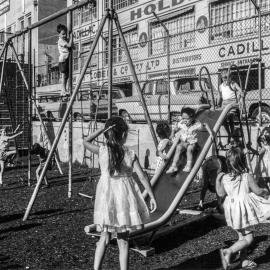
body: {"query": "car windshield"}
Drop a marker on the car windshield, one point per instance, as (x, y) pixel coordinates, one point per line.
(189, 84)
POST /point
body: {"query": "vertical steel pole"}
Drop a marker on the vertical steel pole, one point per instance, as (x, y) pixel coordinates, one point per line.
(62, 125)
(110, 57)
(70, 126)
(29, 103)
(260, 63)
(258, 9)
(168, 64)
(3, 68)
(139, 90)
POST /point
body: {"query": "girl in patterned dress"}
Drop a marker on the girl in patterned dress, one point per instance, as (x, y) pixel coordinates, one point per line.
(119, 205)
(188, 127)
(163, 131)
(244, 205)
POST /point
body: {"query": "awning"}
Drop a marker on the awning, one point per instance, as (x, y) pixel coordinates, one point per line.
(171, 15)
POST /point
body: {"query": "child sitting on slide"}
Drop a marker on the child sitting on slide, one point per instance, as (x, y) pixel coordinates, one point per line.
(188, 128)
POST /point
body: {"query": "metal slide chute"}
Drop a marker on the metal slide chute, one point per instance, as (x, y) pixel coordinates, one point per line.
(169, 189)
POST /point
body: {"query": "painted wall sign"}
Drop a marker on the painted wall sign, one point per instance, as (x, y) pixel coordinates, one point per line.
(4, 6)
(85, 31)
(161, 5)
(143, 39)
(240, 49)
(201, 24)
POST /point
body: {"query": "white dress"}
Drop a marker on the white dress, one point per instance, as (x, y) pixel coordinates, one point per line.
(243, 208)
(160, 161)
(119, 204)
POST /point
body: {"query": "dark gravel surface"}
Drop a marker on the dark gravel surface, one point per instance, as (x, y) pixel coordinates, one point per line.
(53, 236)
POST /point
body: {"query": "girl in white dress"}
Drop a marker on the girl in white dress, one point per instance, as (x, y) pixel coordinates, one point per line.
(262, 170)
(119, 205)
(244, 205)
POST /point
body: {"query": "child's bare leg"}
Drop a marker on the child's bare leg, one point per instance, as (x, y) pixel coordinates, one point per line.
(245, 239)
(123, 252)
(178, 151)
(100, 249)
(227, 128)
(190, 151)
(64, 83)
(2, 167)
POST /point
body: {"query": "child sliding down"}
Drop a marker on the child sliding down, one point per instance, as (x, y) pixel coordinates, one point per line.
(188, 128)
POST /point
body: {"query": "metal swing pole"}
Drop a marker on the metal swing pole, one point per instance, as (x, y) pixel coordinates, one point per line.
(110, 56)
(29, 103)
(33, 100)
(61, 127)
(3, 67)
(168, 64)
(258, 9)
(70, 126)
(139, 90)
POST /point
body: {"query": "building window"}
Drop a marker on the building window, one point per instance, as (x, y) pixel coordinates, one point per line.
(182, 33)
(29, 21)
(119, 55)
(2, 37)
(89, 12)
(118, 4)
(22, 24)
(85, 49)
(76, 17)
(75, 58)
(84, 14)
(236, 18)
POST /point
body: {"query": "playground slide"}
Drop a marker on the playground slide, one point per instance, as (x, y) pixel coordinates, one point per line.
(169, 189)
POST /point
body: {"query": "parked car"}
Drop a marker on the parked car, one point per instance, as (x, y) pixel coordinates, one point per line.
(89, 104)
(184, 92)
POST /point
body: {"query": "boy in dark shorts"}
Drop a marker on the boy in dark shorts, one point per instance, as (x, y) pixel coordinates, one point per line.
(64, 46)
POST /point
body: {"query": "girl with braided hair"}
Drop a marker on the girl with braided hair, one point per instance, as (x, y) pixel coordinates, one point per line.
(119, 205)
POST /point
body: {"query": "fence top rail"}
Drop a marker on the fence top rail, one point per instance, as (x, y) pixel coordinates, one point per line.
(52, 17)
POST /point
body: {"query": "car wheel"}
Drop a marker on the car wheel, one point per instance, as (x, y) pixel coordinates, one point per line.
(265, 115)
(125, 115)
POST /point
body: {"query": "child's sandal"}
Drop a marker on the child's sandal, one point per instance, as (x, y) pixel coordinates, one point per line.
(249, 264)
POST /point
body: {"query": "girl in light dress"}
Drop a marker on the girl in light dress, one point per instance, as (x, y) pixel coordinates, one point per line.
(163, 131)
(119, 205)
(4, 149)
(262, 170)
(244, 205)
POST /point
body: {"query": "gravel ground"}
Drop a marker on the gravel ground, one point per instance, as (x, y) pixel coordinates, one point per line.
(53, 236)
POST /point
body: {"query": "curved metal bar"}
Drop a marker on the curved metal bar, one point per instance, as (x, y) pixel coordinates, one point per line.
(211, 86)
(154, 225)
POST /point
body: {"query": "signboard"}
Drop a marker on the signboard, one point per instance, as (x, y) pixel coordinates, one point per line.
(4, 6)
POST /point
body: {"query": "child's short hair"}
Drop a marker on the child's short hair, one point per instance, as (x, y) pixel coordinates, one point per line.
(61, 27)
(189, 111)
(163, 130)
